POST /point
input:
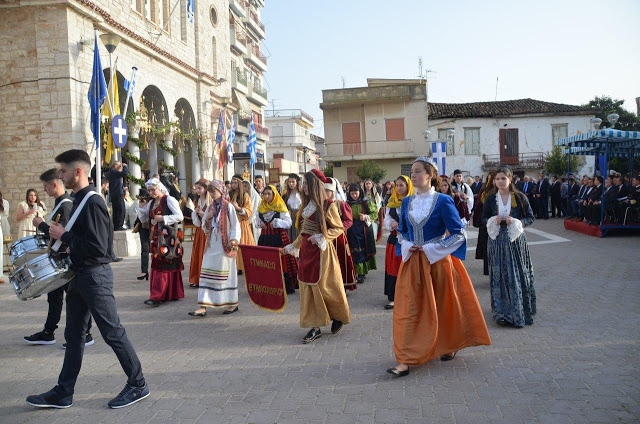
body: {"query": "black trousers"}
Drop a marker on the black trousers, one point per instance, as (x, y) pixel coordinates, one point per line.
(118, 209)
(556, 206)
(144, 245)
(55, 299)
(91, 292)
(543, 207)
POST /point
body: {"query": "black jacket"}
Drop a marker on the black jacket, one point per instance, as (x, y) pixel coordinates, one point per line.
(542, 187)
(522, 211)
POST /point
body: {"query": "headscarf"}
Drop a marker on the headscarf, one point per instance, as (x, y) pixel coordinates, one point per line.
(220, 207)
(361, 198)
(395, 201)
(334, 185)
(154, 182)
(276, 205)
(256, 199)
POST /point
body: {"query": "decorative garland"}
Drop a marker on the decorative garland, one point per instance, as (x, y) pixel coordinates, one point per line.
(136, 141)
(200, 148)
(134, 159)
(138, 181)
(168, 167)
(166, 148)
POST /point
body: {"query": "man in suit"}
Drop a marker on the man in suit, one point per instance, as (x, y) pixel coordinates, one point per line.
(116, 192)
(542, 196)
(623, 197)
(527, 188)
(583, 197)
(572, 194)
(610, 201)
(556, 196)
(477, 185)
(595, 195)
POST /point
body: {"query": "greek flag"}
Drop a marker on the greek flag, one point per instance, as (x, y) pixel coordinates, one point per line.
(252, 143)
(439, 155)
(190, 10)
(231, 138)
(130, 85)
(97, 91)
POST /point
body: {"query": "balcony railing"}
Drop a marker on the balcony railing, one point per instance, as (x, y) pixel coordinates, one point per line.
(289, 113)
(380, 148)
(261, 129)
(255, 19)
(532, 160)
(238, 40)
(255, 51)
(241, 76)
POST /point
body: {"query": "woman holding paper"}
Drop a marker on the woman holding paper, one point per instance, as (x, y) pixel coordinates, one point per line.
(506, 212)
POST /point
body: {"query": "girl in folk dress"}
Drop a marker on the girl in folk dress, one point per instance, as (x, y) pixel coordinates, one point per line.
(27, 210)
(334, 192)
(4, 218)
(199, 240)
(461, 205)
(166, 263)
(505, 213)
(322, 296)
(436, 309)
(274, 221)
(362, 239)
(219, 278)
(403, 188)
(481, 246)
(372, 193)
(255, 202)
(293, 199)
(241, 202)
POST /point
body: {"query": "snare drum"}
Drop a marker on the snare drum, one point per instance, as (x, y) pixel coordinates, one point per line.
(27, 248)
(40, 276)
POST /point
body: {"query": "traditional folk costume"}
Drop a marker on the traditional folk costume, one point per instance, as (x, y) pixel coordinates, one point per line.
(243, 217)
(349, 275)
(436, 308)
(275, 216)
(26, 227)
(481, 245)
(199, 239)
(219, 275)
(513, 296)
(377, 222)
(256, 198)
(166, 259)
(293, 201)
(393, 257)
(361, 235)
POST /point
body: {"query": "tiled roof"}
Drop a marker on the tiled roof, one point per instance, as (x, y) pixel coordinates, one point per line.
(500, 108)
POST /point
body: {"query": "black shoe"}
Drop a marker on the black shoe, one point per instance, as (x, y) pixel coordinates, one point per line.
(239, 272)
(193, 286)
(448, 356)
(398, 373)
(312, 335)
(230, 311)
(116, 259)
(88, 341)
(389, 305)
(502, 322)
(198, 314)
(291, 291)
(42, 338)
(152, 302)
(129, 395)
(50, 399)
(336, 326)
(360, 279)
(143, 277)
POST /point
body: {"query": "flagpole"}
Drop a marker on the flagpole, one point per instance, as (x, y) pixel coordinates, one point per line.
(98, 180)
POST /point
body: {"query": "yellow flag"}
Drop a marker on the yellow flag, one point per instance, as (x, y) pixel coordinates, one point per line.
(107, 112)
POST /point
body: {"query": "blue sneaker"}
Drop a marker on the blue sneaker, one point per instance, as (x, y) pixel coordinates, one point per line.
(50, 399)
(129, 395)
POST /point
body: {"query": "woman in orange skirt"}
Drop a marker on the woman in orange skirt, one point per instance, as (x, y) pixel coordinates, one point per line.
(200, 238)
(241, 201)
(436, 309)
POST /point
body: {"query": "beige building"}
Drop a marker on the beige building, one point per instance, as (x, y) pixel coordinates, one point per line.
(383, 122)
(189, 70)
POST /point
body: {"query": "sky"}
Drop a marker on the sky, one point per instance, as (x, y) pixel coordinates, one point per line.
(562, 51)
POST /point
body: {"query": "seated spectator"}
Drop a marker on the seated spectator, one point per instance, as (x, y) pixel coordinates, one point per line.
(591, 210)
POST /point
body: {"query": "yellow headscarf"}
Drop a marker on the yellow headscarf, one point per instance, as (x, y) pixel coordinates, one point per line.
(276, 205)
(395, 201)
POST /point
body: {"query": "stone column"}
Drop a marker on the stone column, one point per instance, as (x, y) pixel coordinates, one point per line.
(134, 168)
(168, 140)
(182, 171)
(195, 161)
(153, 155)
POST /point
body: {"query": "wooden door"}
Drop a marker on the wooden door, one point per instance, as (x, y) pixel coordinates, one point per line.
(351, 141)
(509, 146)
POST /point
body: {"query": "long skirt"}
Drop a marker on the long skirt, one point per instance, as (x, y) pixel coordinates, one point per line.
(278, 237)
(165, 284)
(436, 310)
(199, 242)
(322, 296)
(391, 266)
(481, 248)
(246, 238)
(513, 297)
(363, 246)
(218, 278)
(349, 276)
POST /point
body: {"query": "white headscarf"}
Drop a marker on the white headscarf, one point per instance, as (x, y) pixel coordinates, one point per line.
(336, 187)
(255, 201)
(154, 182)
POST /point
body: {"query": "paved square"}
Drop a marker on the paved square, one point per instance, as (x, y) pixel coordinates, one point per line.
(578, 363)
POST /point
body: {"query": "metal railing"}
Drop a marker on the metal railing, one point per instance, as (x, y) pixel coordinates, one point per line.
(255, 19)
(241, 77)
(288, 113)
(257, 53)
(523, 160)
(261, 129)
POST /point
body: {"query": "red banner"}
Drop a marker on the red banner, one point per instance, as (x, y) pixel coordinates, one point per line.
(263, 277)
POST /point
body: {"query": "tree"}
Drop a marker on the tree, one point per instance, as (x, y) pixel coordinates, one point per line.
(604, 105)
(328, 171)
(370, 169)
(556, 162)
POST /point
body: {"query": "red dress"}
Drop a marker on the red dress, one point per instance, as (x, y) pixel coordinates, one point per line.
(349, 276)
(165, 280)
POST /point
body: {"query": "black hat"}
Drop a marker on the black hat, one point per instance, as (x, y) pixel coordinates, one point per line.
(457, 171)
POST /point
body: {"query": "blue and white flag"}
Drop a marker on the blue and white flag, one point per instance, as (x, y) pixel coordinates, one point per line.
(231, 138)
(439, 155)
(190, 10)
(97, 91)
(130, 85)
(252, 143)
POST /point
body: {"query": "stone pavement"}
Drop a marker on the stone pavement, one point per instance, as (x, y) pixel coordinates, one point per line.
(578, 363)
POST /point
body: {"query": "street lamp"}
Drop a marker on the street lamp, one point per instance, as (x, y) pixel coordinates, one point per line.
(111, 41)
(613, 118)
(595, 123)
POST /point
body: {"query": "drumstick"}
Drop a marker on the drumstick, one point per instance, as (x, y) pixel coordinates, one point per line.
(50, 238)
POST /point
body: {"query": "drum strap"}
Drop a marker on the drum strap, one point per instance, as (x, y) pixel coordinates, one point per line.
(53, 212)
(73, 219)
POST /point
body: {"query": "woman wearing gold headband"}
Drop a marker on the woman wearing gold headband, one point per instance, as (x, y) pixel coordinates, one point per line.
(241, 202)
(402, 188)
(274, 220)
